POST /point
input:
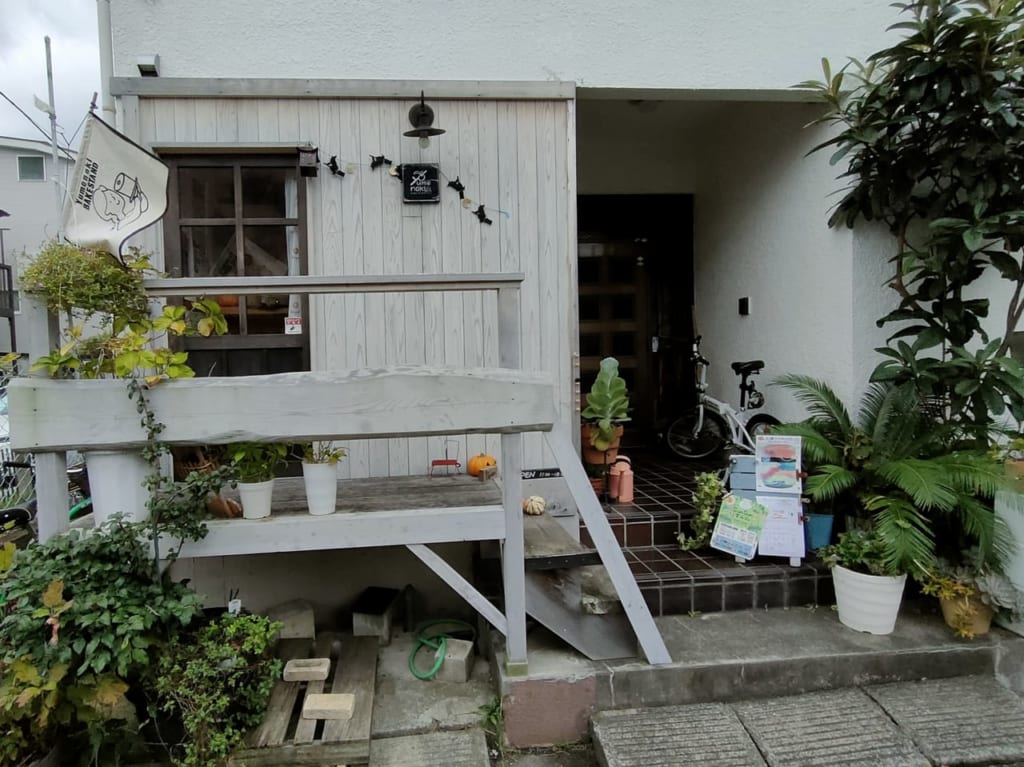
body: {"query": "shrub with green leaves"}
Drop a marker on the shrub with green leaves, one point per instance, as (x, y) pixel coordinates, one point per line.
(931, 130)
(82, 621)
(218, 680)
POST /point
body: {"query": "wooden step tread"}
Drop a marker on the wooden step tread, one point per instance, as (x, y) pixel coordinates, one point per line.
(548, 546)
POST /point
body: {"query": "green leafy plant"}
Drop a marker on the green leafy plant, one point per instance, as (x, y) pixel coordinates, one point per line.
(257, 461)
(322, 452)
(896, 467)
(931, 130)
(706, 500)
(607, 404)
(972, 582)
(863, 551)
(218, 681)
(82, 620)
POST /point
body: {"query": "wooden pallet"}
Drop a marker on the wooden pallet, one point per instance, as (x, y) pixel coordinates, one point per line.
(285, 739)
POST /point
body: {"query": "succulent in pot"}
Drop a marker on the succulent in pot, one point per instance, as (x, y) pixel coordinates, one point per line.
(607, 409)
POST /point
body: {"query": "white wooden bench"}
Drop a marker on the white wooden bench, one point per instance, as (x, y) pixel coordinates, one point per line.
(49, 417)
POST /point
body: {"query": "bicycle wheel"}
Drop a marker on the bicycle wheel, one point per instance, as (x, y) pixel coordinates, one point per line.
(761, 423)
(685, 441)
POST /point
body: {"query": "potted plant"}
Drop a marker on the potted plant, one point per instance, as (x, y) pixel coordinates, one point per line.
(96, 291)
(868, 588)
(706, 501)
(897, 469)
(256, 463)
(971, 593)
(218, 681)
(598, 475)
(607, 409)
(320, 475)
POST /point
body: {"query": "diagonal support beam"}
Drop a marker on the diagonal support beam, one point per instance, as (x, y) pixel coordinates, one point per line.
(462, 587)
(600, 531)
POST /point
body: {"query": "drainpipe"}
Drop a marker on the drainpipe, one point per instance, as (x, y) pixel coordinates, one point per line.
(106, 60)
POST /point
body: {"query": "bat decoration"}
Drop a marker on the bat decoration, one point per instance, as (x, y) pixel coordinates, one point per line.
(396, 171)
(458, 186)
(377, 160)
(333, 167)
(482, 215)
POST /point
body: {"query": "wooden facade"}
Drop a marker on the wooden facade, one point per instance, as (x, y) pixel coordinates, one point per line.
(513, 155)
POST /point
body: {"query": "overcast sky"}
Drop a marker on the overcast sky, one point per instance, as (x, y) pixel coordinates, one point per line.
(71, 26)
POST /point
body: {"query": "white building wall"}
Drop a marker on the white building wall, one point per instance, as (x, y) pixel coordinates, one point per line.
(32, 207)
(683, 44)
(761, 210)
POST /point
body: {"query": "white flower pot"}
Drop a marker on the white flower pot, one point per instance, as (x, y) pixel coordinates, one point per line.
(868, 602)
(117, 484)
(255, 497)
(321, 480)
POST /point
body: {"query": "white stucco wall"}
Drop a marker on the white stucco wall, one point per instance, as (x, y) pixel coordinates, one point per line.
(731, 44)
(761, 210)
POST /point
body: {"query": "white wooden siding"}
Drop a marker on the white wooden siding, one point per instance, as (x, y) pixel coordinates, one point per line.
(512, 156)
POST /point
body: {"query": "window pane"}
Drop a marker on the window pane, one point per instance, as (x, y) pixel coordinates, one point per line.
(208, 251)
(264, 192)
(266, 254)
(206, 192)
(31, 169)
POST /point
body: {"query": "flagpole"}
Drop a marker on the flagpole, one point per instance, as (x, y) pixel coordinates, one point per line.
(53, 138)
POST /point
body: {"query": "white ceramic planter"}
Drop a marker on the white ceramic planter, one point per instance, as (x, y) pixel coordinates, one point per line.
(321, 480)
(255, 497)
(117, 484)
(868, 602)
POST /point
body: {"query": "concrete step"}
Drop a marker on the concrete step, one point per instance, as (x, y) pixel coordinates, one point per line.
(745, 655)
(957, 721)
(458, 748)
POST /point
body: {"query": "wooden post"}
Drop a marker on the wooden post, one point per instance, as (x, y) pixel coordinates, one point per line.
(51, 477)
(513, 564)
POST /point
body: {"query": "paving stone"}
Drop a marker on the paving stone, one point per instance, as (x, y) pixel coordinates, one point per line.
(322, 705)
(307, 669)
(708, 735)
(963, 720)
(842, 728)
(457, 748)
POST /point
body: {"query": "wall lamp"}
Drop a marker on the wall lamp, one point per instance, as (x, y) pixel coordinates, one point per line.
(422, 118)
(309, 160)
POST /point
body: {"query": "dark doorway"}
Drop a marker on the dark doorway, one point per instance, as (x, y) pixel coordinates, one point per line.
(636, 299)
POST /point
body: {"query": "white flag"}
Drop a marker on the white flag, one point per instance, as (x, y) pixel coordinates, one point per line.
(118, 189)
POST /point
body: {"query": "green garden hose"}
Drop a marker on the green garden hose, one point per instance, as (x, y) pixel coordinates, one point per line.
(430, 635)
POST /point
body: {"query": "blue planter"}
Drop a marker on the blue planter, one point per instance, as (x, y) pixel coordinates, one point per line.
(817, 530)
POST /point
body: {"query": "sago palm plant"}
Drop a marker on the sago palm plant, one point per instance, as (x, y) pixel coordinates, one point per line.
(896, 468)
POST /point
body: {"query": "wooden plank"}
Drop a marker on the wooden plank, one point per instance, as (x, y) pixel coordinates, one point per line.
(302, 755)
(512, 567)
(357, 675)
(390, 402)
(355, 283)
(600, 531)
(490, 238)
(305, 532)
(282, 699)
(547, 545)
(460, 586)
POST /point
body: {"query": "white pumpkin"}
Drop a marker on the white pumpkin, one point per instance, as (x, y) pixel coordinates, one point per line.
(534, 505)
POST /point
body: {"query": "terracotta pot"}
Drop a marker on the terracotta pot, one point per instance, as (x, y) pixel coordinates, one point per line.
(592, 455)
(968, 616)
(598, 483)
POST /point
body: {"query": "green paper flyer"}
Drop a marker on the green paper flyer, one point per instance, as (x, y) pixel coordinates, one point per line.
(738, 527)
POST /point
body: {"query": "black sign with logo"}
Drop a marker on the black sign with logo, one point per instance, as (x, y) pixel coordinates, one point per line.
(421, 183)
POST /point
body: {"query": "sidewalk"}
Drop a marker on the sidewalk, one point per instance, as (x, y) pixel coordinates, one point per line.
(955, 721)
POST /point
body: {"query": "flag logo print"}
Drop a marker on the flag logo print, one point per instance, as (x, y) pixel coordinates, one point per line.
(118, 189)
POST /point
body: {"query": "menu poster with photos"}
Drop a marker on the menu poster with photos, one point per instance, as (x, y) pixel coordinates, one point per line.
(783, 533)
(738, 527)
(777, 465)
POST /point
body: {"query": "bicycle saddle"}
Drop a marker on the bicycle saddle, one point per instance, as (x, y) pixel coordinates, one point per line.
(754, 366)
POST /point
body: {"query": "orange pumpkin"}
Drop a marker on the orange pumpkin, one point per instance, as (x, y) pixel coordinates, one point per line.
(480, 462)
